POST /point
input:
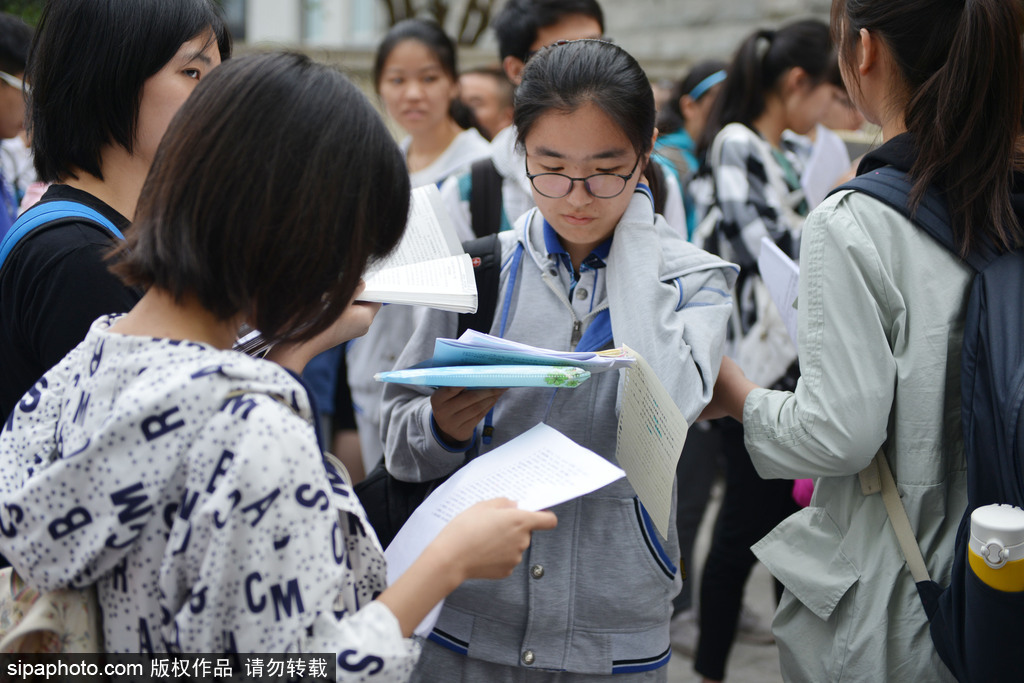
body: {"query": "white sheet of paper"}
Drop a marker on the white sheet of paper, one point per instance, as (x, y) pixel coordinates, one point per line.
(538, 469)
(782, 278)
(651, 434)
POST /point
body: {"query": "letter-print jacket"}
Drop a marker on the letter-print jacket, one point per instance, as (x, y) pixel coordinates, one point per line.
(186, 483)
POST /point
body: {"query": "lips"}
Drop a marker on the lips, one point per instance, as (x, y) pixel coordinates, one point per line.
(577, 220)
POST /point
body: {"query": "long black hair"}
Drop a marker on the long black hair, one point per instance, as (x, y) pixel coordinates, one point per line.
(962, 100)
(432, 36)
(757, 69)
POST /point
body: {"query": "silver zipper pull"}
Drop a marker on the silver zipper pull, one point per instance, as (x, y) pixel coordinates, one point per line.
(575, 339)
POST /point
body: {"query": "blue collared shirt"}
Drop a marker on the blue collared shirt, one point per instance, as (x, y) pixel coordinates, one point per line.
(588, 274)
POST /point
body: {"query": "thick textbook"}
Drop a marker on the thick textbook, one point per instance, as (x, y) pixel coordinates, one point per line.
(428, 267)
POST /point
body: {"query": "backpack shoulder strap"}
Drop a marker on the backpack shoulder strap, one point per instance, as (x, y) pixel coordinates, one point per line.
(893, 187)
(52, 213)
(486, 254)
(877, 478)
(485, 203)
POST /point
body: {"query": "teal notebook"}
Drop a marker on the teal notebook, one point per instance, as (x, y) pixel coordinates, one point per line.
(492, 376)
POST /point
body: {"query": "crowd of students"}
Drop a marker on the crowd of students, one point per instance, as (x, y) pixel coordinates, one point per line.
(144, 458)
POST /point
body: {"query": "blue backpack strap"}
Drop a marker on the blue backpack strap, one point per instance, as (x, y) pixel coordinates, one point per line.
(47, 213)
(893, 187)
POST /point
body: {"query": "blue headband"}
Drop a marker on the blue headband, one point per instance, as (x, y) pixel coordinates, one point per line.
(707, 84)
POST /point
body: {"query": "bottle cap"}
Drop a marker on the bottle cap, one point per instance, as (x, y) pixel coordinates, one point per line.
(997, 534)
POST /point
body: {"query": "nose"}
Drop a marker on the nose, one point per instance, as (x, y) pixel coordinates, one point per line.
(578, 195)
(413, 90)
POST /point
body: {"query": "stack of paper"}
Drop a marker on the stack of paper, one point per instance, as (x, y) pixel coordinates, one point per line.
(429, 266)
(480, 360)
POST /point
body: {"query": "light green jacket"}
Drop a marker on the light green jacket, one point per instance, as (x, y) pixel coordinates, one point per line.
(882, 310)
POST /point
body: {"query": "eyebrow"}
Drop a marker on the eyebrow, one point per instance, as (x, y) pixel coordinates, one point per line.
(605, 154)
(423, 69)
(199, 55)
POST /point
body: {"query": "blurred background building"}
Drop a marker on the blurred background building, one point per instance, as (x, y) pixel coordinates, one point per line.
(664, 35)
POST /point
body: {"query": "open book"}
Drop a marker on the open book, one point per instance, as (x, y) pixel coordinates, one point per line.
(428, 267)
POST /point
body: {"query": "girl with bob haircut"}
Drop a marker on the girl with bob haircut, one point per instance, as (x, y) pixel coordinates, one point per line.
(882, 310)
(106, 77)
(592, 267)
(183, 479)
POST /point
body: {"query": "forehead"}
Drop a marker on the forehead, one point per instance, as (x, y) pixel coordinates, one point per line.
(412, 53)
(569, 27)
(481, 84)
(584, 134)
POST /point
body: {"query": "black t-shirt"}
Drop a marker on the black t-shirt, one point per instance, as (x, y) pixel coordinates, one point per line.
(52, 286)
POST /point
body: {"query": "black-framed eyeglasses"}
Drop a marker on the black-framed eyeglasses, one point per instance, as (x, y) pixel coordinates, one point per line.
(598, 185)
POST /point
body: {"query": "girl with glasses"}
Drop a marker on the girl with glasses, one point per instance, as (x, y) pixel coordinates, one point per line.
(591, 267)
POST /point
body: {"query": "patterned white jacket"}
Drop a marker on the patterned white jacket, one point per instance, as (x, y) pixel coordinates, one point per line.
(185, 482)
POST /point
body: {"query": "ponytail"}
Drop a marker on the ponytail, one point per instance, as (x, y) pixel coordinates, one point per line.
(759, 64)
(961, 66)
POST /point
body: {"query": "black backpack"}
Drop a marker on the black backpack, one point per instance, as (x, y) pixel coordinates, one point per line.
(975, 627)
(389, 502)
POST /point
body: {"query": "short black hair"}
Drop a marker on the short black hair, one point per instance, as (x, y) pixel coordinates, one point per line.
(274, 184)
(87, 66)
(15, 38)
(564, 77)
(518, 22)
